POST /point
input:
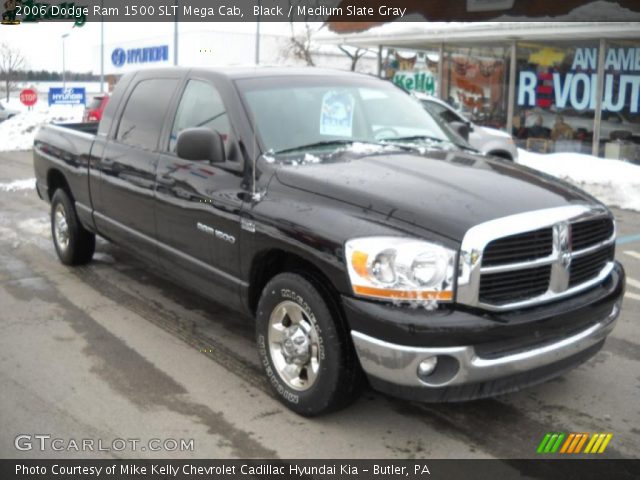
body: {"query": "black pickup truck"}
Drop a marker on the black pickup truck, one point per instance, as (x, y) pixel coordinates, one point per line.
(367, 241)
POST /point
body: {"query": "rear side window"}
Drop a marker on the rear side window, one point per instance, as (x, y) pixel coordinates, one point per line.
(144, 113)
(200, 106)
(444, 113)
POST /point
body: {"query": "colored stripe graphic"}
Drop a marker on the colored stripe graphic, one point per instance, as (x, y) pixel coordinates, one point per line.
(573, 443)
(551, 442)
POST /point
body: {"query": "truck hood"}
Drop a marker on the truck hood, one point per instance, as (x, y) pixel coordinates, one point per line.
(445, 192)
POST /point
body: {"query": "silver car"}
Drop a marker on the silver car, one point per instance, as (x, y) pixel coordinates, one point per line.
(5, 113)
(489, 141)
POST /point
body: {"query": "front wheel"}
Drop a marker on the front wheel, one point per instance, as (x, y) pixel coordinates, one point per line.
(304, 347)
(74, 244)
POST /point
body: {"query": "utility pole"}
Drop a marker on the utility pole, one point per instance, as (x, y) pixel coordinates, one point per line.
(258, 35)
(101, 49)
(175, 37)
(64, 65)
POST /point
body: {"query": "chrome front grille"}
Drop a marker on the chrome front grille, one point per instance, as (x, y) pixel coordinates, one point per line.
(498, 288)
(590, 232)
(535, 257)
(586, 267)
(522, 247)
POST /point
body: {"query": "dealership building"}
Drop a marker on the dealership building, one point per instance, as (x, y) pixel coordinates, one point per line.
(557, 87)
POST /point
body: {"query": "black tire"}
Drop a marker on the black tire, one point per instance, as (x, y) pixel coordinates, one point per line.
(339, 378)
(81, 243)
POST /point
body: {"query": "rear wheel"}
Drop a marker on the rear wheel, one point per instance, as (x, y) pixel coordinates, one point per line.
(73, 243)
(304, 347)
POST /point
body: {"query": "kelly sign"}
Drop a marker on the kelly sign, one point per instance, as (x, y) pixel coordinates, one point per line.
(415, 81)
(577, 88)
(67, 96)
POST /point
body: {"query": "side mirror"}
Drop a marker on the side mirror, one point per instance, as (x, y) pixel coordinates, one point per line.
(461, 128)
(200, 144)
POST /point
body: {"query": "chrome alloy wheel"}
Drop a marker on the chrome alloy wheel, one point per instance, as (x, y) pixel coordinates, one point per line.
(61, 228)
(294, 345)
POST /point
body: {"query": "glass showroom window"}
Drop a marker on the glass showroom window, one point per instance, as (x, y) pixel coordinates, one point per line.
(412, 70)
(556, 96)
(620, 123)
(476, 82)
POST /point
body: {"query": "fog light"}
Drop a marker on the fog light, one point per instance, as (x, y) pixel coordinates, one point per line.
(427, 366)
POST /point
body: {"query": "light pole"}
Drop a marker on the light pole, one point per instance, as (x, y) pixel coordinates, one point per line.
(258, 35)
(101, 50)
(64, 66)
(175, 36)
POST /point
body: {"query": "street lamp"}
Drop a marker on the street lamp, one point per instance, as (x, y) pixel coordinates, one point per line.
(64, 67)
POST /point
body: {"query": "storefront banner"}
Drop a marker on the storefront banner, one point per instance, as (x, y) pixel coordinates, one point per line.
(577, 89)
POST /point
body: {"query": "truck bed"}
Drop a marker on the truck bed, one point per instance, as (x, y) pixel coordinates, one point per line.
(86, 127)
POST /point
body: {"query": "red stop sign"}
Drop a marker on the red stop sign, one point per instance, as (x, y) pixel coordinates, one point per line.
(28, 97)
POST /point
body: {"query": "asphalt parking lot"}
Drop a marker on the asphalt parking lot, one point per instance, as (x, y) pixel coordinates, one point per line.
(113, 350)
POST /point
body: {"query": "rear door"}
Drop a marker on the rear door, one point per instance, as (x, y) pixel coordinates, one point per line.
(127, 167)
(198, 202)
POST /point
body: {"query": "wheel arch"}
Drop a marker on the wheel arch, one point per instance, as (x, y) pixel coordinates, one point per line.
(269, 263)
(56, 180)
(501, 154)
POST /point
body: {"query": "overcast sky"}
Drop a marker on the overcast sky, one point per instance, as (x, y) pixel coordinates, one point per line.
(41, 43)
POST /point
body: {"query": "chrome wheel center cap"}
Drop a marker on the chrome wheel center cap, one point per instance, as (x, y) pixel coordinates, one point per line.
(296, 347)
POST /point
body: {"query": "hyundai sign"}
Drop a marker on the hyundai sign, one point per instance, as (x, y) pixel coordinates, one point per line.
(67, 96)
(121, 57)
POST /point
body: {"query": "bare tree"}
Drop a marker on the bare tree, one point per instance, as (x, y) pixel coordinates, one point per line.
(299, 43)
(11, 60)
(354, 55)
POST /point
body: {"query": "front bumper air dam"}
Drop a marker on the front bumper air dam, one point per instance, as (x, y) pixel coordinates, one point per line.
(461, 373)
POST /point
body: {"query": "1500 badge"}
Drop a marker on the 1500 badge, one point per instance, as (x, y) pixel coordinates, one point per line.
(219, 234)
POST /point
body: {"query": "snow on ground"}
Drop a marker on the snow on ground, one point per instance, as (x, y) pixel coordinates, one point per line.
(613, 182)
(16, 185)
(18, 132)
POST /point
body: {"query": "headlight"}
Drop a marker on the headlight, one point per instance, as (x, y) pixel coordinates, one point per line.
(400, 269)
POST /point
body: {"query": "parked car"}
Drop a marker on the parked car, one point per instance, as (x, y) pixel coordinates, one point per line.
(332, 208)
(489, 141)
(6, 113)
(93, 111)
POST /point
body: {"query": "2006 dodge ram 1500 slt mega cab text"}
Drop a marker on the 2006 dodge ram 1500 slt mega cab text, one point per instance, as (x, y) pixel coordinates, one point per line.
(365, 242)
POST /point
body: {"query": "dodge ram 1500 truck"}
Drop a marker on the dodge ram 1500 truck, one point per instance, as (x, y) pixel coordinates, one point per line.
(329, 206)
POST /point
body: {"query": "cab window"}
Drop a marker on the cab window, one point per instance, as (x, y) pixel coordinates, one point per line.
(200, 106)
(145, 112)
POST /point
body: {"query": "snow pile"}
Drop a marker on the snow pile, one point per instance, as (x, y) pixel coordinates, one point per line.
(613, 182)
(28, 184)
(594, 11)
(18, 132)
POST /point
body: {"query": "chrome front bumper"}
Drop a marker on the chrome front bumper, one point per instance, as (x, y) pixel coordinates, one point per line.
(398, 364)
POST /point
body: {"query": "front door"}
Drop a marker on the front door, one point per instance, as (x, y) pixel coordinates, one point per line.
(198, 203)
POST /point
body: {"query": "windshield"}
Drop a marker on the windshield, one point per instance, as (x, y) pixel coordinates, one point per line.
(321, 112)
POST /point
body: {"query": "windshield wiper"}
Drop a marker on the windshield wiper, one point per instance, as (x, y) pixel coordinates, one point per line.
(323, 143)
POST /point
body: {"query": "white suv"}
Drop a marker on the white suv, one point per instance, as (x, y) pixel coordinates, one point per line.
(489, 141)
